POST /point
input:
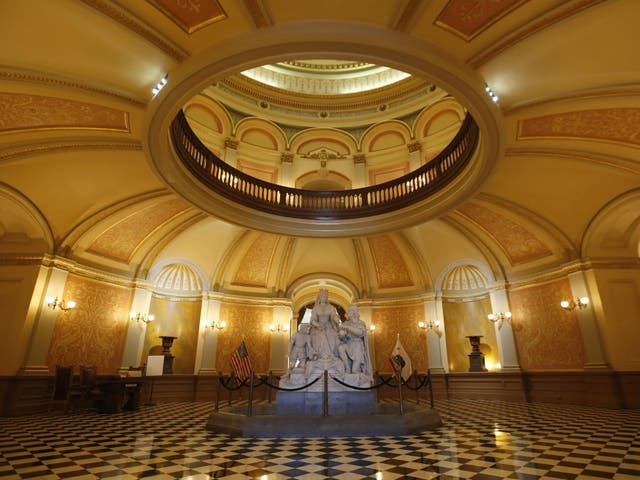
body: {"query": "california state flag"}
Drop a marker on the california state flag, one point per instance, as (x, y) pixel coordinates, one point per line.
(400, 361)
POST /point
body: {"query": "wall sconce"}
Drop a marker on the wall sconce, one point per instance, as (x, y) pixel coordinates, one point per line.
(218, 325)
(372, 328)
(278, 328)
(53, 303)
(141, 317)
(500, 317)
(580, 303)
(430, 325)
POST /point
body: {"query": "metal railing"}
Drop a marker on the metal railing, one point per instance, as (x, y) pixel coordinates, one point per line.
(323, 205)
(232, 383)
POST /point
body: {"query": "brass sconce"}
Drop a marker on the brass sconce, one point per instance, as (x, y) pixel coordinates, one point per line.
(216, 324)
(278, 328)
(430, 325)
(372, 328)
(54, 302)
(500, 317)
(579, 303)
(141, 317)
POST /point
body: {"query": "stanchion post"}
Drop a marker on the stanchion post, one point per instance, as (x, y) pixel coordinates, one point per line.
(400, 392)
(325, 395)
(269, 383)
(250, 404)
(415, 375)
(430, 388)
(220, 377)
(232, 378)
(378, 380)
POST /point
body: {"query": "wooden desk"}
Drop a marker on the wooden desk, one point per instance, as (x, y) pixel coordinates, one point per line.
(121, 393)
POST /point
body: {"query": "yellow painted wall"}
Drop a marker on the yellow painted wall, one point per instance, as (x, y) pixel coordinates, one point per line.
(174, 318)
(620, 326)
(462, 319)
(17, 284)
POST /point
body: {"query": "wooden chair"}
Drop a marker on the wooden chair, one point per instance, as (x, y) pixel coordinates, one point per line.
(90, 391)
(64, 393)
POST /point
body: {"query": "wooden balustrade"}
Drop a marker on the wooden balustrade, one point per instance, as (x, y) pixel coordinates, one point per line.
(323, 205)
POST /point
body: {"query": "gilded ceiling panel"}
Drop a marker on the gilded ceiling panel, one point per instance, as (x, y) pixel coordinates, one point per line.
(391, 269)
(519, 244)
(610, 124)
(28, 112)
(121, 240)
(255, 265)
(467, 18)
(191, 15)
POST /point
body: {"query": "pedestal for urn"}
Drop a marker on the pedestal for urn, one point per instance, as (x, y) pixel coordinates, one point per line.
(167, 342)
(476, 357)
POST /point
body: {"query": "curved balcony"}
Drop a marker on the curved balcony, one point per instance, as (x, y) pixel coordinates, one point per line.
(323, 205)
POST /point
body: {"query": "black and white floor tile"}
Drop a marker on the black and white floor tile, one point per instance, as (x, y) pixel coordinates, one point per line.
(480, 440)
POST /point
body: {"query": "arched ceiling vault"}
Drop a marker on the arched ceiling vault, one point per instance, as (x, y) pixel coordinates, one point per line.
(79, 124)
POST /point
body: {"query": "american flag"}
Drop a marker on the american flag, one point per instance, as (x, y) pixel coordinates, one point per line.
(240, 362)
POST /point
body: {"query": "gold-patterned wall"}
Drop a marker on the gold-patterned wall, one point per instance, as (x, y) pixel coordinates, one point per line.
(251, 324)
(94, 332)
(518, 242)
(547, 337)
(403, 320)
(176, 318)
(254, 267)
(121, 239)
(462, 319)
(391, 269)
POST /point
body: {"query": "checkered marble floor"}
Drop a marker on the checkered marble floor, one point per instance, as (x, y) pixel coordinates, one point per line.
(480, 440)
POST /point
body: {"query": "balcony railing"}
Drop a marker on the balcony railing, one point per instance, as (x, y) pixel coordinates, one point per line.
(390, 196)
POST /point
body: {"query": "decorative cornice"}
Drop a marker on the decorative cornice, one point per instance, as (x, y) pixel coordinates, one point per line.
(621, 91)
(258, 13)
(407, 15)
(531, 28)
(609, 161)
(414, 147)
(19, 75)
(299, 101)
(33, 149)
(128, 20)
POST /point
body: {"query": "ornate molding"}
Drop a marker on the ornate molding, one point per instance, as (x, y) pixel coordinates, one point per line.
(530, 29)
(191, 15)
(128, 20)
(617, 125)
(17, 75)
(24, 150)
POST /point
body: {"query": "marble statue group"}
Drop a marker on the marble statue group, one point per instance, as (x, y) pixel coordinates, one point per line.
(326, 343)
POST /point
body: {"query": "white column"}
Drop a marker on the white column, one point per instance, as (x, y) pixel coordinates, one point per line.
(134, 341)
(50, 282)
(231, 152)
(504, 332)
(436, 344)
(415, 155)
(279, 360)
(286, 170)
(208, 337)
(360, 171)
(596, 357)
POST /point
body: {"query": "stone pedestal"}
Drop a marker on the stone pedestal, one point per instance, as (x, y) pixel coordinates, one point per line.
(339, 403)
(476, 357)
(167, 342)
